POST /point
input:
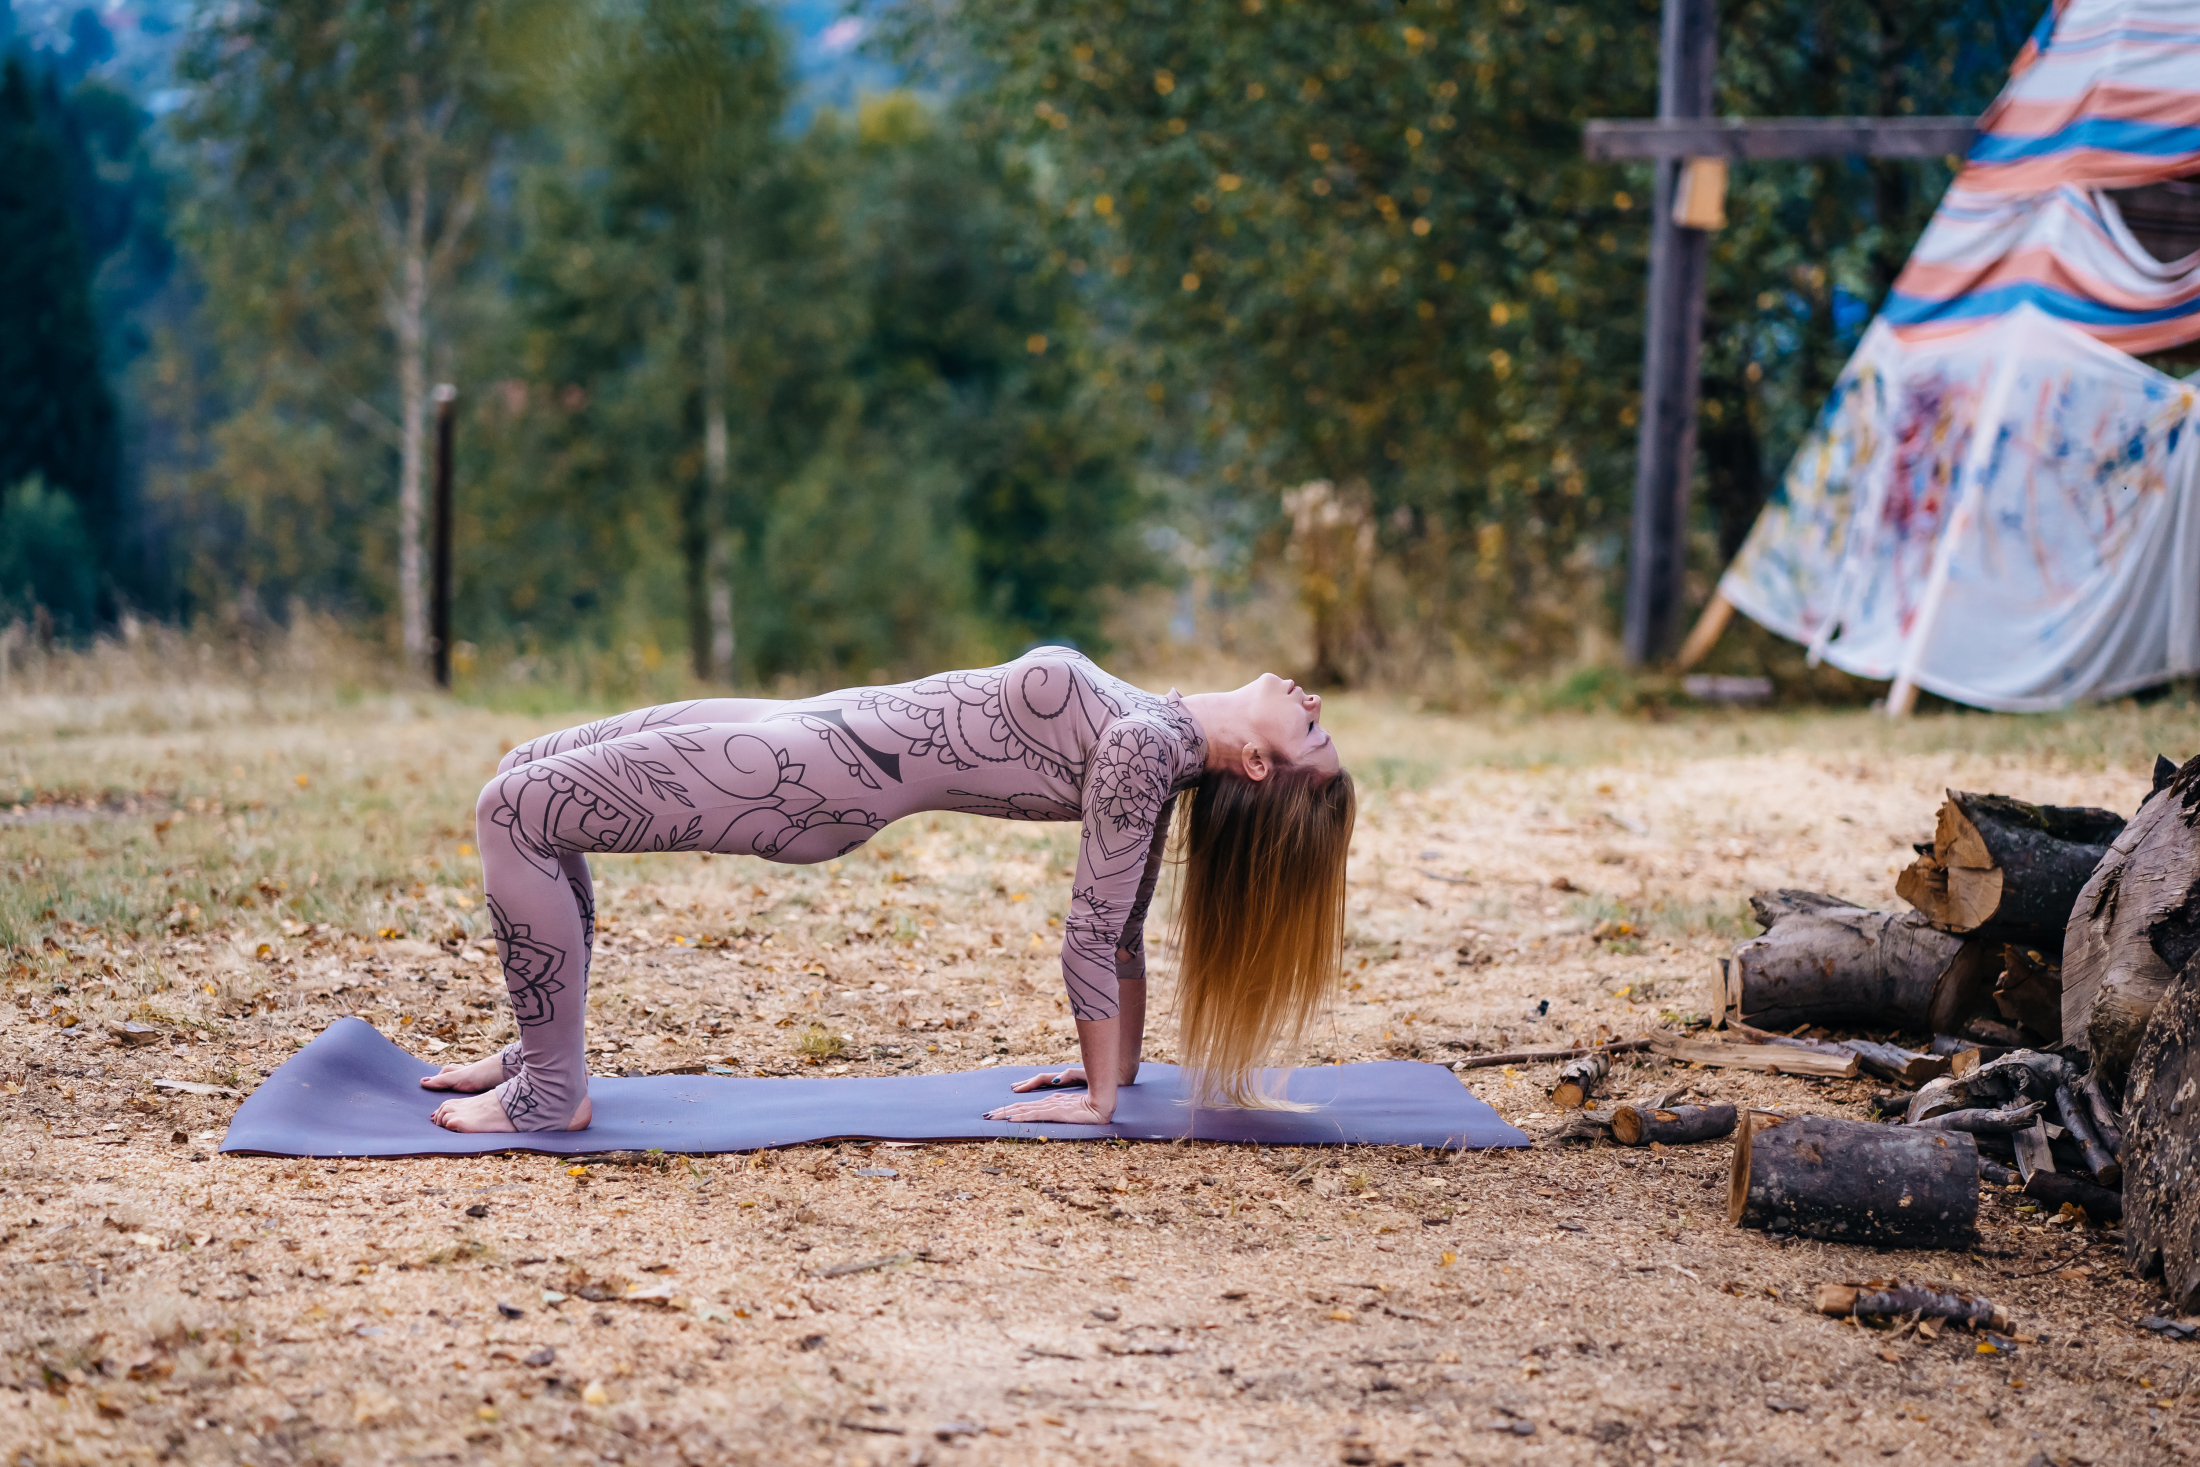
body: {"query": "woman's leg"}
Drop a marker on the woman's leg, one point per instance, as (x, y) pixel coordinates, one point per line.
(483, 1074)
(784, 791)
(661, 715)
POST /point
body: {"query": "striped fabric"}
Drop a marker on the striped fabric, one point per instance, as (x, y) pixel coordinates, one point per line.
(2105, 95)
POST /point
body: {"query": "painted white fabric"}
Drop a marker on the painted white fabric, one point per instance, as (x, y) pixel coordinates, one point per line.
(2011, 517)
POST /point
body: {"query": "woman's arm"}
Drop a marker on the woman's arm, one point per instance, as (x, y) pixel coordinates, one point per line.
(1113, 1045)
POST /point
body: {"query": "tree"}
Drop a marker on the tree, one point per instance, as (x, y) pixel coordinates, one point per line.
(46, 560)
(343, 148)
(57, 418)
(695, 88)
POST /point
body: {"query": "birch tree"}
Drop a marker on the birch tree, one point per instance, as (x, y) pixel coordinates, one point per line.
(694, 91)
(343, 147)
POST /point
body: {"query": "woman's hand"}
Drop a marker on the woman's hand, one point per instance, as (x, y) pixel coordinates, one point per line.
(1074, 1075)
(1070, 1110)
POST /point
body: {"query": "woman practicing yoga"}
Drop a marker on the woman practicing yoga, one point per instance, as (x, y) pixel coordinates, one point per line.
(1046, 737)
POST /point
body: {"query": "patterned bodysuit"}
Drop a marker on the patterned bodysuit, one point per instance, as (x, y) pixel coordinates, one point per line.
(1046, 737)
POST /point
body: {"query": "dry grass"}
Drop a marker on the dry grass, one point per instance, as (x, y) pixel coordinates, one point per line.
(1086, 1303)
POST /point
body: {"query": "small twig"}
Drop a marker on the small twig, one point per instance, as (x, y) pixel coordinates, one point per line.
(1538, 1056)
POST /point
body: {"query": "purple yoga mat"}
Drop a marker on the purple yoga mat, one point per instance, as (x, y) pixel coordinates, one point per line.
(352, 1092)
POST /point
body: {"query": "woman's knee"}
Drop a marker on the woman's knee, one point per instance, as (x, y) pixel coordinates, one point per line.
(486, 805)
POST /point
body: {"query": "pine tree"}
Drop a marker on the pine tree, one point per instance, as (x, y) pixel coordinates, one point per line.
(57, 418)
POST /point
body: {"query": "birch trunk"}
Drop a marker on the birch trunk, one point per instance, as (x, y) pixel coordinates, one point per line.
(411, 329)
(714, 657)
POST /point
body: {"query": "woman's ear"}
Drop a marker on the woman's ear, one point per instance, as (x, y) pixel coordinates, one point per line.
(1256, 763)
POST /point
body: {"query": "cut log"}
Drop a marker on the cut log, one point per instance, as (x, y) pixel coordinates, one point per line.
(2136, 924)
(1770, 1059)
(2001, 863)
(1894, 1301)
(2055, 1188)
(2020, 1074)
(1829, 964)
(1981, 1122)
(1955, 1045)
(1853, 1182)
(2101, 1204)
(2029, 991)
(2107, 1124)
(1580, 1078)
(2162, 1143)
(1893, 1062)
(1888, 1061)
(1639, 1125)
(2078, 1121)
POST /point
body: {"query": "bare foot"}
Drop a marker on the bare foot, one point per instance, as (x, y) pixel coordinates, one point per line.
(470, 1079)
(483, 1113)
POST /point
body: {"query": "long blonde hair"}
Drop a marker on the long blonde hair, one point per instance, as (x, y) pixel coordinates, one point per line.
(1260, 922)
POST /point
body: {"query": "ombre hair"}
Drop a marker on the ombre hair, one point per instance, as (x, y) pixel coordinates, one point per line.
(1259, 922)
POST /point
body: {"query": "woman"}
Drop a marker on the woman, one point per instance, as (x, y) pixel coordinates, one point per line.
(1046, 737)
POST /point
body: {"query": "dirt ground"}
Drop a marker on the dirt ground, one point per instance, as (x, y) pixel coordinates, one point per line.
(1088, 1303)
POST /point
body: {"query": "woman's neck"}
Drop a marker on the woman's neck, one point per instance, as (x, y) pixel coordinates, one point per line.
(1223, 726)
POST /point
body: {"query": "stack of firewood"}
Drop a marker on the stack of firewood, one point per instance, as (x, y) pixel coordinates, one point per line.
(2048, 967)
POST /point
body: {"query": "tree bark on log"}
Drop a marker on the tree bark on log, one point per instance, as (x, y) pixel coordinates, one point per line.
(1640, 1125)
(2162, 1143)
(1853, 1182)
(1866, 1302)
(2135, 926)
(1830, 963)
(1578, 1080)
(2001, 863)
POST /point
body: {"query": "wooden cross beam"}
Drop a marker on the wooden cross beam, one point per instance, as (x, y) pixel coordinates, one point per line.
(1680, 244)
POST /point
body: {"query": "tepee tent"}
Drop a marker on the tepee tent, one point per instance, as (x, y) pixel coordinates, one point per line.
(1998, 503)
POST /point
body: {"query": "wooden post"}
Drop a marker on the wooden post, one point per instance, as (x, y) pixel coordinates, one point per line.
(439, 603)
(1665, 445)
(1665, 435)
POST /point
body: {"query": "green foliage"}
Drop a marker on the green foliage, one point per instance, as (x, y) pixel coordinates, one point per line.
(1359, 242)
(46, 558)
(921, 474)
(57, 418)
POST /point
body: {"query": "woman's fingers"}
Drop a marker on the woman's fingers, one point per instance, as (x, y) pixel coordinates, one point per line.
(1074, 1110)
(1074, 1075)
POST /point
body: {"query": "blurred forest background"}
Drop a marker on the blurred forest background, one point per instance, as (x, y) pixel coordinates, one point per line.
(807, 341)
